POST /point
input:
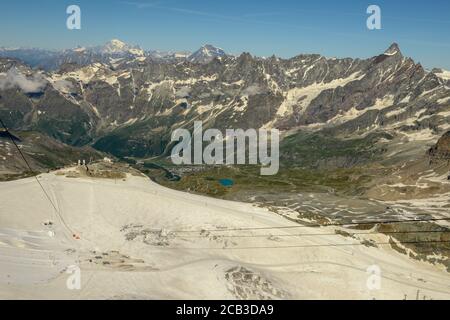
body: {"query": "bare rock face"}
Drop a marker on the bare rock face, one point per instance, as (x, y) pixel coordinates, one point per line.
(442, 148)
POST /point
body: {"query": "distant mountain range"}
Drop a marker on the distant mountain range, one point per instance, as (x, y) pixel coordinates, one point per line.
(112, 52)
(126, 101)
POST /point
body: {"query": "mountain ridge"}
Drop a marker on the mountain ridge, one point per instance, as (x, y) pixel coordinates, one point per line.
(140, 100)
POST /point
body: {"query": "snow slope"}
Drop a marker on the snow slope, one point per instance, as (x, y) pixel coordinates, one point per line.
(140, 240)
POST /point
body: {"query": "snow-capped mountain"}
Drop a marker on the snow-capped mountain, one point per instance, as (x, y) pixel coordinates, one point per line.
(361, 140)
(53, 59)
(117, 47)
(119, 102)
(206, 53)
(115, 52)
(392, 50)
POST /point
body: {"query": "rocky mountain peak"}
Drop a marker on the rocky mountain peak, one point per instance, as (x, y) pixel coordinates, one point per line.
(393, 50)
(206, 54)
(116, 46)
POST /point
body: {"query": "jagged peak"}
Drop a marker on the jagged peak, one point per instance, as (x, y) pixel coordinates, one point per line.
(393, 50)
(209, 46)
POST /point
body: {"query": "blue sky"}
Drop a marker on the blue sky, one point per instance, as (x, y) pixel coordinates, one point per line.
(284, 28)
